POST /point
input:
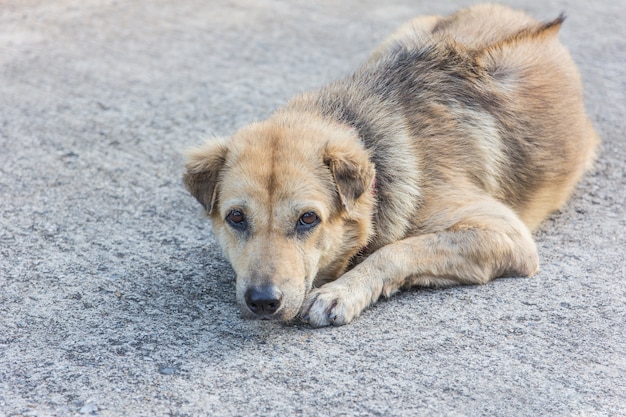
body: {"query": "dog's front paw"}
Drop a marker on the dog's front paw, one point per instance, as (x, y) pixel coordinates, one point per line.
(333, 303)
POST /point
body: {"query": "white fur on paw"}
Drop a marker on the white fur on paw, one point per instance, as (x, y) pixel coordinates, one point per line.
(330, 304)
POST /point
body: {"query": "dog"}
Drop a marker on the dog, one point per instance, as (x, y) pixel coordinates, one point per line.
(430, 165)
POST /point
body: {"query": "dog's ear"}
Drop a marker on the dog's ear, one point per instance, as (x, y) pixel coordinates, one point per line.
(352, 171)
(204, 165)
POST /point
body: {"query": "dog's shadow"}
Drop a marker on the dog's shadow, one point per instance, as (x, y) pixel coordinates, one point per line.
(185, 307)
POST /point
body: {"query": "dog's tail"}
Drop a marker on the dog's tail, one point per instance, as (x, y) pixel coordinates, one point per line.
(544, 29)
(540, 30)
(493, 57)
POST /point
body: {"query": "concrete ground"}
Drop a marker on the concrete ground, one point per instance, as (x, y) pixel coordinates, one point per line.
(115, 300)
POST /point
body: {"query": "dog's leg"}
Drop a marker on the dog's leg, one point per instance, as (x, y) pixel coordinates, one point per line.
(483, 241)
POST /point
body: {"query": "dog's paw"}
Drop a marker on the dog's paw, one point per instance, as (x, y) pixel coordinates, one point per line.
(333, 303)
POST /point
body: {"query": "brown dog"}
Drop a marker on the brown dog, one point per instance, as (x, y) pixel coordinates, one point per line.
(429, 165)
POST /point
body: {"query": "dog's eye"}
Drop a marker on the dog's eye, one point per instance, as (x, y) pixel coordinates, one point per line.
(308, 220)
(236, 219)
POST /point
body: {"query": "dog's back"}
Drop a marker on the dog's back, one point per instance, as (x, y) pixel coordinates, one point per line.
(489, 93)
(534, 76)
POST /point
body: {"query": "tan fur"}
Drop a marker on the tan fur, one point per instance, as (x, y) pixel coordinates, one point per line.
(430, 165)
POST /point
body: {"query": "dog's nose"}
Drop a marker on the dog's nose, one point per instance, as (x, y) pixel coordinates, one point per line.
(264, 300)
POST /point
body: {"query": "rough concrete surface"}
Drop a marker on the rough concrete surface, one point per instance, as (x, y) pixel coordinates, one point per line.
(115, 300)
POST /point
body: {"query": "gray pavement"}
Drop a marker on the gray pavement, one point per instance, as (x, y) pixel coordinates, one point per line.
(115, 300)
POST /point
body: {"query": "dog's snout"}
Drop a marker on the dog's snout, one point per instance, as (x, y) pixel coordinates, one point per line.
(264, 300)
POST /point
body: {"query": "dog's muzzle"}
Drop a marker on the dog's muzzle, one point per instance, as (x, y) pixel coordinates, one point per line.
(264, 300)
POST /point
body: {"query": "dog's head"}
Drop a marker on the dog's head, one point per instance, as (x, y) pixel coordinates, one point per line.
(290, 203)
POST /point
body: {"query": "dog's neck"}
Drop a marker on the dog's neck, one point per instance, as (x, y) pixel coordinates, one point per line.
(364, 252)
